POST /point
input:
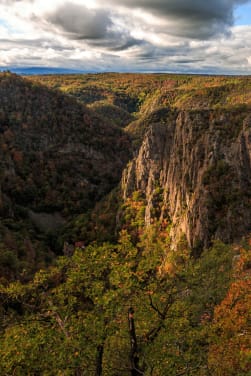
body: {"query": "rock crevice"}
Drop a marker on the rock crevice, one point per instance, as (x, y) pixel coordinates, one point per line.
(201, 161)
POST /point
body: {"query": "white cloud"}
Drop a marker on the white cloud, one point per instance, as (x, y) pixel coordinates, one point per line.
(167, 35)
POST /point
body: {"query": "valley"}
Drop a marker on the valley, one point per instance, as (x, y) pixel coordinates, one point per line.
(125, 235)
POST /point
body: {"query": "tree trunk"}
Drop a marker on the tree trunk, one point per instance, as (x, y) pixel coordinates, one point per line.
(134, 356)
(99, 361)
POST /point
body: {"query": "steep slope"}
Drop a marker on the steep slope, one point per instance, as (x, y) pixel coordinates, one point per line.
(41, 127)
(195, 166)
(118, 115)
(57, 157)
(191, 138)
(113, 96)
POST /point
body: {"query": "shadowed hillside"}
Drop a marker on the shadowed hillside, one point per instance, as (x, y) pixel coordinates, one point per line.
(57, 157)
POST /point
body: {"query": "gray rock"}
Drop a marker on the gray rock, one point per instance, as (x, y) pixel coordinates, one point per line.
(201, 160)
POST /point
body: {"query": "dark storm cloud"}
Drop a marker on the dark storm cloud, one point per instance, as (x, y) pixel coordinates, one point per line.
(190, 19)
(81, 22)
(93, 25)
(147, 52)
(201, 9)
(126, 42)
(116, 42)
(200, 19)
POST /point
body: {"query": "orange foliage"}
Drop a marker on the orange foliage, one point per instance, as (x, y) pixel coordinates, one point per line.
(17, 156)
(230, 351)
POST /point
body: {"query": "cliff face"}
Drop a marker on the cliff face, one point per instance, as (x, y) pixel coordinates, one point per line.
(200, 161)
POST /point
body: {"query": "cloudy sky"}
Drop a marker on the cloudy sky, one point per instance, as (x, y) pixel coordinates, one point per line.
(204, 36)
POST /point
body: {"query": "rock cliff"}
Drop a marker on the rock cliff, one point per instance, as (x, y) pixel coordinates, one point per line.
(200, 162)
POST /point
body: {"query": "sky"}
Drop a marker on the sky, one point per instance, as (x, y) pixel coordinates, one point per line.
(196, 36)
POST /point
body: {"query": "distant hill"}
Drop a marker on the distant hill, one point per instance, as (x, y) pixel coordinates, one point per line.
(41, 70)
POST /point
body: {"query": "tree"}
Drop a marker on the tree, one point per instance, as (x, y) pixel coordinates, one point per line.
(230, 349)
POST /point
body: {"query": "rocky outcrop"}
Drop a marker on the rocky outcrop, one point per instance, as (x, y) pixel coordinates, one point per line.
(201, 162)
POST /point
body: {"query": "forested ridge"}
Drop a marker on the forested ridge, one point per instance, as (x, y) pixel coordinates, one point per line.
(57, 159)
(125, 225)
